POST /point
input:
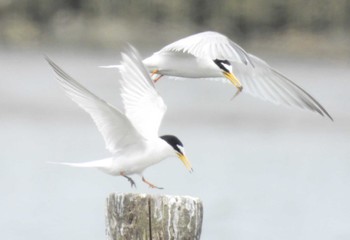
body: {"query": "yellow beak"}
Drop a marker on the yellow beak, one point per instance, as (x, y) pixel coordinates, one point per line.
(234, 80)
(185, 161)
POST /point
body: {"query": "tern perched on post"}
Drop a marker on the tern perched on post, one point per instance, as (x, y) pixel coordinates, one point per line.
(213, 55)
(132, 138)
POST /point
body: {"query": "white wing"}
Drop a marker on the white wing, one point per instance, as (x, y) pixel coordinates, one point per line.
(268, 84)
(210, 44)
(115, 128)
(143, 105)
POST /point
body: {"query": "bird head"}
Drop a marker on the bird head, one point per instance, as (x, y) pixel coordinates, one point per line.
(226, 68)
(179, 150)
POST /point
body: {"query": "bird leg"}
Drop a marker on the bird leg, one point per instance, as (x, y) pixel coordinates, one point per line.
(156, 80)
(154, 72)
(129, 179)
(150, 184)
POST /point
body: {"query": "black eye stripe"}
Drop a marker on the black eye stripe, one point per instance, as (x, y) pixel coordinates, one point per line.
(220, 64)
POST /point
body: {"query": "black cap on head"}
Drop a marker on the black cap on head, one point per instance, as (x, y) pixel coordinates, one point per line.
(172, 141)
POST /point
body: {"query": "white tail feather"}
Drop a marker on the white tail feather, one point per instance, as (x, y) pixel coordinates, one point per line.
(103, 164)
(112, 66)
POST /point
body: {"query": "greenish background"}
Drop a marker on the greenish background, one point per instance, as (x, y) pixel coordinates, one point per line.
(295, 26)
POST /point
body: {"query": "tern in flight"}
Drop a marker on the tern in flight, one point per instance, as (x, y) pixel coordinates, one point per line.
(132, 138)
(213, 55)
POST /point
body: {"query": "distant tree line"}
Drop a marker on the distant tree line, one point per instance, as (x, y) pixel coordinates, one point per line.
(230, 16)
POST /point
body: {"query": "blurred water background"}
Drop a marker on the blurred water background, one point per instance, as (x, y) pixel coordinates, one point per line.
(262, 171)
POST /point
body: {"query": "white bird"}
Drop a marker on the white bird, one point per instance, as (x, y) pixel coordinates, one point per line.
(132, 138)
(213, 55)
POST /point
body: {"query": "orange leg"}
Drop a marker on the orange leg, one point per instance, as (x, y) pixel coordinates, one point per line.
(155, 80)
(150, 184)
(156, 71)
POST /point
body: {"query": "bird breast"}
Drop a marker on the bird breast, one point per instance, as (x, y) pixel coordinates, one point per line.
(137, 157)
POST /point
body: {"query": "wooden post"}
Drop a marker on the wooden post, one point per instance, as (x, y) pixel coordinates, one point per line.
(141, 216)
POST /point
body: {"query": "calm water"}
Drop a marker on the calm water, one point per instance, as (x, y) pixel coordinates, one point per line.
(262, 171)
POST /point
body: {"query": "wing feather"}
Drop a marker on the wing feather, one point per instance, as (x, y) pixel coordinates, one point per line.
(116, 129)
(210, 44)
(266, 83)
(143, 105)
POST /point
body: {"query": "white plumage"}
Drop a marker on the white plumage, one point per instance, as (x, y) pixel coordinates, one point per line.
(132, 137)
(209, 54)
(210, 45)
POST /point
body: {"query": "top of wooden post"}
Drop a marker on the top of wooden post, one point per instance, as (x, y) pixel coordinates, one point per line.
(142, 216)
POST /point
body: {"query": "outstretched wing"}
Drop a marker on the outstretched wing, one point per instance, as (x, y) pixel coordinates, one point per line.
(210, 45)
(116, 129)
(266, 83)
(143, 105)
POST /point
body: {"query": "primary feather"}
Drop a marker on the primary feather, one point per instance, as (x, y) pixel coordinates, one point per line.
(256, 76)
(131, 137)
(115, 127)
(268, 84)
(143, 105)
(210, 44)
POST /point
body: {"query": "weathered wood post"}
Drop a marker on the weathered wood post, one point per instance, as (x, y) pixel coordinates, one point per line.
(141, 216)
